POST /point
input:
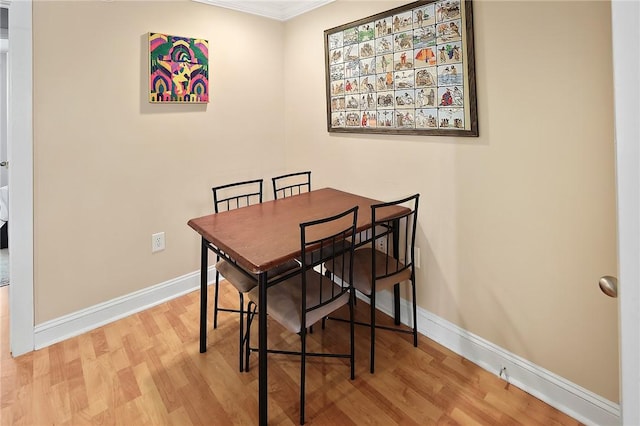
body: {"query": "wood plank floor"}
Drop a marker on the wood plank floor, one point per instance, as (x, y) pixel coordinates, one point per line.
(146, 370)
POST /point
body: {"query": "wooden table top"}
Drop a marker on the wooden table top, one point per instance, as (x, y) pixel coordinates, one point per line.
(263, 236)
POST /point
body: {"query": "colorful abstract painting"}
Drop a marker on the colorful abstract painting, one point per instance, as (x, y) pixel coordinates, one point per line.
(178, 69)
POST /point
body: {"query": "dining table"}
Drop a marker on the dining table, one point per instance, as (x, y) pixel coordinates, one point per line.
(259, 238)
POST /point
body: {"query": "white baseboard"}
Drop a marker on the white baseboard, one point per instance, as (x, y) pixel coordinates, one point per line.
(79, 322)
(577, 402)
(573, 400)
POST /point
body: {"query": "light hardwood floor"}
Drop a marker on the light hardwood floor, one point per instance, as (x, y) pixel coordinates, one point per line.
(146, 370)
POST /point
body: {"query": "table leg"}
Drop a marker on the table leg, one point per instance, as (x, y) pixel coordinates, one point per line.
(204, 266)
(262, 350)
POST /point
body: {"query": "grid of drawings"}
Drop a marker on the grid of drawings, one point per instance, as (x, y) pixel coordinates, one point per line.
(402, 71)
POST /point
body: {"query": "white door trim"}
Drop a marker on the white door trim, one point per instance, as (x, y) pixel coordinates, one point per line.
(20, 156)
(625, 18)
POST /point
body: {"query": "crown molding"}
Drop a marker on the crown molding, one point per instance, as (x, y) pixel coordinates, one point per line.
(278, 10)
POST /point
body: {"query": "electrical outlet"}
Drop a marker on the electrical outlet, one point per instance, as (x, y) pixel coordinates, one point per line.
(381, 244)
(157, 242)
(416, 255)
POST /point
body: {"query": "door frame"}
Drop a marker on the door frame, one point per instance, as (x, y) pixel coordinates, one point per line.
(4, 101)
(625, 20)
(20, 157)
(4, 105)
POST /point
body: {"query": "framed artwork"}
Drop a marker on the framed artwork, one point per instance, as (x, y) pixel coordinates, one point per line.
(178, 69)
(409, 70)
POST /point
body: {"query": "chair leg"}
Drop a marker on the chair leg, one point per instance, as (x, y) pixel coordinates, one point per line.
(215, 302)
(352, 331)
(303, 337)
(241, 345)
(373, 333)
(415, 310)
(251, 313)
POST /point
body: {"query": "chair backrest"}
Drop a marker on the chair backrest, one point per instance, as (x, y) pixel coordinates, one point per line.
(235, 195)
(291, 184)
(394, 235)
(326, 241)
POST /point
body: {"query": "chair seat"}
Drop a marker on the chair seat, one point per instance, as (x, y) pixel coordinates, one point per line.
(244, 283)
(362, 279)
(284, 302)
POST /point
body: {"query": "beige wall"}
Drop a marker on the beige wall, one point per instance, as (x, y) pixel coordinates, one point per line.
(517, 225)
(111, 169)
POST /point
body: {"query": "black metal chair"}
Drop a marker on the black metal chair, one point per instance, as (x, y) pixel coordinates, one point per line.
(306, 298)
(291, 184)
(387, 261)
(229, 197)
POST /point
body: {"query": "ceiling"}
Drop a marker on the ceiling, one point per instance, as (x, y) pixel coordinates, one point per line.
(278, 10)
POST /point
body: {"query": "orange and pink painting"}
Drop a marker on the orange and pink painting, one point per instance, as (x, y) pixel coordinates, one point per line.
(178, 69)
